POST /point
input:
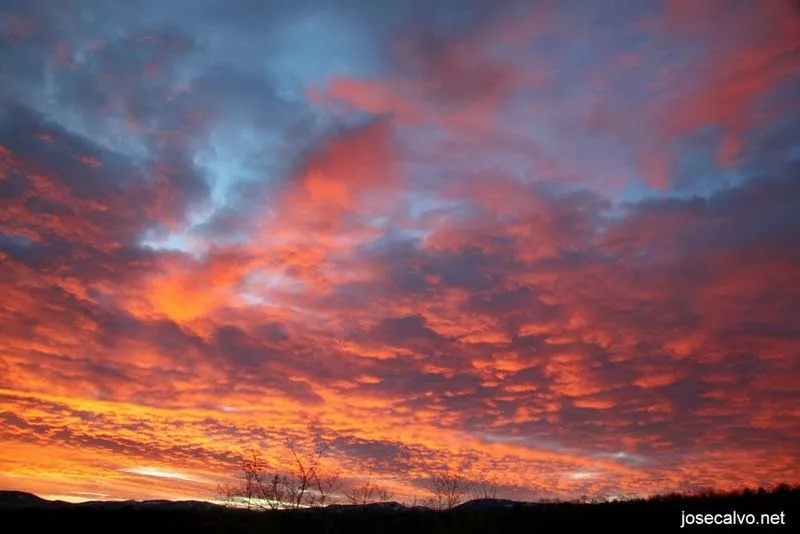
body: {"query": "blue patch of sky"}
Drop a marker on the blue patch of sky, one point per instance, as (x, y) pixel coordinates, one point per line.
(315, 47)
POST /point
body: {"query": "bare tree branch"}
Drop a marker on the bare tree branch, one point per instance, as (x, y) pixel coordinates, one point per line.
(483, 489)
(299, 483)
(447, 490)
(368, 492)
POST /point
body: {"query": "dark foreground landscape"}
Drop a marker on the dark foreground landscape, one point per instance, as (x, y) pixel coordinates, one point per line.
(24, 512)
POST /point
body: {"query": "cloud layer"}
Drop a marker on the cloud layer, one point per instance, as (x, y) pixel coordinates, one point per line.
(553, 244)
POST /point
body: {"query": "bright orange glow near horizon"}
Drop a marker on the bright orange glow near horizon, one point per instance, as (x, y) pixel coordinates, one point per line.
(550, 244)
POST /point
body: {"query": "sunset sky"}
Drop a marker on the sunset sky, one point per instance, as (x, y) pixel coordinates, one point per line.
(553, 244)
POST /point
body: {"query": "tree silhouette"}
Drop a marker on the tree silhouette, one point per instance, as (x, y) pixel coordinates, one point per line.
(483, 489)
(301, 482)
(368, 492)
(447, 490)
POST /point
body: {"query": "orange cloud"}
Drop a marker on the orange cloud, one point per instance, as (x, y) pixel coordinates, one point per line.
(540, 244)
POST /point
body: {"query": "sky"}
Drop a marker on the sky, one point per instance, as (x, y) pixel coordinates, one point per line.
(551, 244)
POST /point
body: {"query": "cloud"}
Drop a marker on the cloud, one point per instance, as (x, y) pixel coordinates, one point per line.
(163, 473)
(549, 244)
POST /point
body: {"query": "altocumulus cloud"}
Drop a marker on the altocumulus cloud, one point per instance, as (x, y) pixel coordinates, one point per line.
(548, 242)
